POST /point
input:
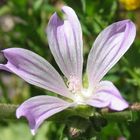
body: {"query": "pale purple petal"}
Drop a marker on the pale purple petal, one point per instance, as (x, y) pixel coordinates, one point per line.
(65, 41)
(34, 69)
(39, 108)
(107, 95)
(109, 47)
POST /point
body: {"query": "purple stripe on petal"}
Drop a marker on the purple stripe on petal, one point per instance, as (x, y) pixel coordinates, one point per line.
(39, 108)
(107, 95)
(109, 47)
(65, 41)
(34, 69)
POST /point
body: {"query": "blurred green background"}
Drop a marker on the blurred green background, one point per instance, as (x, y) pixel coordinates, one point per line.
(23, 24)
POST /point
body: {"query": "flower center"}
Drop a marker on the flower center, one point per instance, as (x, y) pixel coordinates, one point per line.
(74, 84)
(80, 94)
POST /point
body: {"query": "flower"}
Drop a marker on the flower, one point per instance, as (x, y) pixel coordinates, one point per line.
(130, 4)
(65, 42)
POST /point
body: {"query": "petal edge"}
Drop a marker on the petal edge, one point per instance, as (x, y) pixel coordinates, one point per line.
(39, 108)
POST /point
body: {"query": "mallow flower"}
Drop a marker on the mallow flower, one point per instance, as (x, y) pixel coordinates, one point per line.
(66, 44)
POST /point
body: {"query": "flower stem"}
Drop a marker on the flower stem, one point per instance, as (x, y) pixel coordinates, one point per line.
(7, 111)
